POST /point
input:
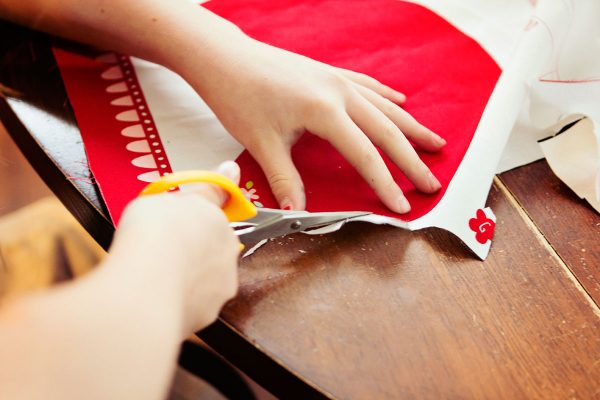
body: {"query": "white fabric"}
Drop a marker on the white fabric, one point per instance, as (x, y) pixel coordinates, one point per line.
(566, 85)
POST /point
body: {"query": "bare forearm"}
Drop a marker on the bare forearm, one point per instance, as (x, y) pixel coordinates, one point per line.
(115, 333)
(159, 31)
(105, 336)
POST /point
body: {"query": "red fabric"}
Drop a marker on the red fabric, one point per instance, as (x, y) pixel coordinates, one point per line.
(447, 77)
(105, 146)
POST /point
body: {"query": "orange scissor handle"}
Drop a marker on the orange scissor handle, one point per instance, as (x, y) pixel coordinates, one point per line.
(237, 207)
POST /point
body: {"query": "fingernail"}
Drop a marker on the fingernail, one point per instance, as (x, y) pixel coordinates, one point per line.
(286, 204)
(434, 184)
(400, 97)
(229, 169)
(440, 141)
(403, 205)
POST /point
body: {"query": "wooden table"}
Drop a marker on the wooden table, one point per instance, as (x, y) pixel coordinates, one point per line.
(373, 312)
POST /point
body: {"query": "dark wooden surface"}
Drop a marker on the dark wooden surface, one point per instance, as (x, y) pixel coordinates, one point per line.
(569, 224)
(376, 312)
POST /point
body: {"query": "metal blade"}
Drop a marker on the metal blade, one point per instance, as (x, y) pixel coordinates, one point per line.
(276, 223)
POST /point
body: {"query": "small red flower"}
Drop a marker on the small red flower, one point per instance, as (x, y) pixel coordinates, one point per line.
(482, 226)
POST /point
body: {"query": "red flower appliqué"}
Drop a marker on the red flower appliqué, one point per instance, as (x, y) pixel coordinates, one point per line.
(482, 226)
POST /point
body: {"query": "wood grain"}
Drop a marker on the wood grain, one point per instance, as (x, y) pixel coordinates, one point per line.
(377, 312)
(569, 223)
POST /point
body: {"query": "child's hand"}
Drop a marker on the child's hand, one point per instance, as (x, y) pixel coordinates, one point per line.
(183, 245)
(267, 97)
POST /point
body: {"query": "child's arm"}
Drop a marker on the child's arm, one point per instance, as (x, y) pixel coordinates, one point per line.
(264, 96)
(115, 333)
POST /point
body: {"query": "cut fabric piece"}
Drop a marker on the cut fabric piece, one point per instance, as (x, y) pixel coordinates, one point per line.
(573, 156)
(450, 80)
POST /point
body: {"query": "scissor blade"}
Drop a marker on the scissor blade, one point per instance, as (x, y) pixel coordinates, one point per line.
(284, 223)
(266, 214)
(316, 220)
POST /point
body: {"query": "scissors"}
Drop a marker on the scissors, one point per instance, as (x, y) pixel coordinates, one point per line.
(251, 225)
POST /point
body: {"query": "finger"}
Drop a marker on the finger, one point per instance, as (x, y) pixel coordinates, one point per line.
(419, 134)
(385, 134)
(231, 170)
(374, 85)
(352, 143)
(282, 175)
(213, 193)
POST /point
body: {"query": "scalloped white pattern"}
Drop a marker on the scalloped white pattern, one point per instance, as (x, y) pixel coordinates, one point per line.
(147, 151)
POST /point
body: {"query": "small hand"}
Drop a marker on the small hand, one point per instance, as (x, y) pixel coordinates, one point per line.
(186, 238)
(267, 97)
